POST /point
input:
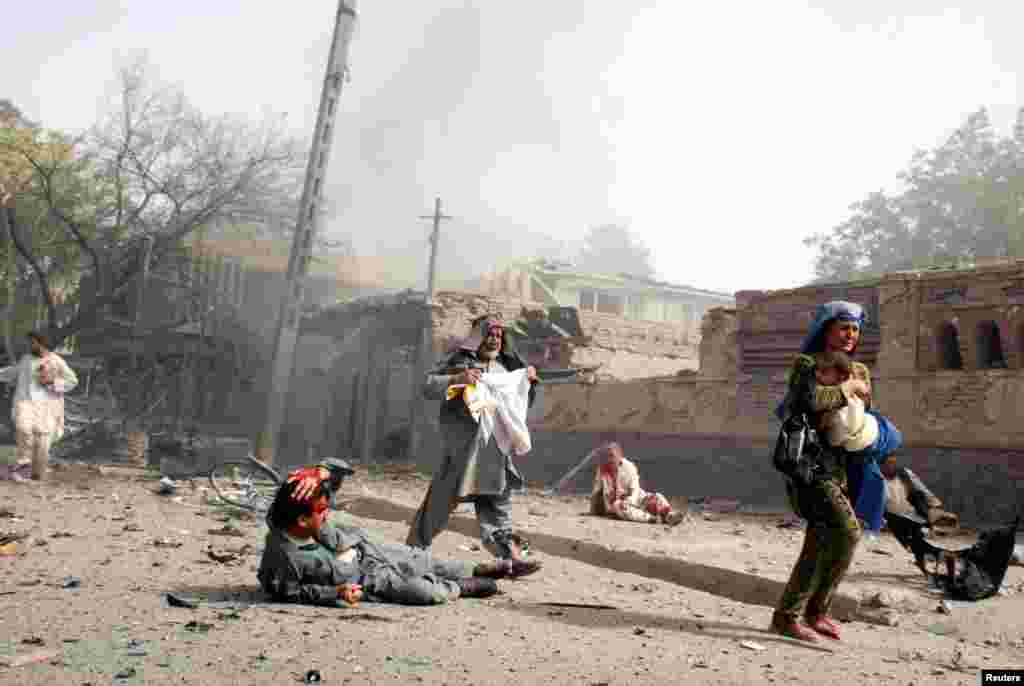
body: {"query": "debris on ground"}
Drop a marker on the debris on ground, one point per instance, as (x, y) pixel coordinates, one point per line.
(889, 598)
(9, 543)
(721, 505)
(228, 556)
(751, 645)
(70, 582)
(198, 627)
(30, 659)
(879, 616)
(223, 557)
(177, 601)
(124, 675)
(227, 530)
(20, 471)
(166, 487)
(136, 648)
(165, 542)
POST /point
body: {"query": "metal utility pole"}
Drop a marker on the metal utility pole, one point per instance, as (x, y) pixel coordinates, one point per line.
(305, 233)
(425, 344)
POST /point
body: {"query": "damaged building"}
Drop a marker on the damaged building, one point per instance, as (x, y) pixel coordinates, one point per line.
(946, 349)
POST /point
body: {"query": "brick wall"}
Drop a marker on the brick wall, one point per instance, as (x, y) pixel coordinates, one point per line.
(625, 349)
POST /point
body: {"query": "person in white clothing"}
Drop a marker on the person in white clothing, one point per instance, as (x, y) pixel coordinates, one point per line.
(617, 492)
(42, 378)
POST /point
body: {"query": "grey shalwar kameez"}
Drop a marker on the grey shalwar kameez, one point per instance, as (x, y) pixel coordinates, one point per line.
(470, 470)
(310, 573)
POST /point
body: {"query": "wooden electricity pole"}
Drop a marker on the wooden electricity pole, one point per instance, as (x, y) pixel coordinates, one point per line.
(306, 226)
(425, 345)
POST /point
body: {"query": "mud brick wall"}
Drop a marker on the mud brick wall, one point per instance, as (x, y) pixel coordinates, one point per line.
(719, 343)
(669, 405)
(625, 349)
(655, 339)
(772, 324)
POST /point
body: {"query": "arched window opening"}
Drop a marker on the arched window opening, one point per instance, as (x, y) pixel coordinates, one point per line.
(990, 346)
(948, 339)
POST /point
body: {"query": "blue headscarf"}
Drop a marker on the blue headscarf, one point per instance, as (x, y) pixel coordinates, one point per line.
(814, 341)
(838, 310)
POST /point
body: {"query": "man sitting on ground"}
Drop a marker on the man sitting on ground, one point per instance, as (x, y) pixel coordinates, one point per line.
(617, 492)
(307, 559)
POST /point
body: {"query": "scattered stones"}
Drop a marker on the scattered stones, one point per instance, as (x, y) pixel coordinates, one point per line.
(886, 599)
(229, 557)
(881, 617)
(198, 627)
(227, 530)
(959, 658)
(165, 542)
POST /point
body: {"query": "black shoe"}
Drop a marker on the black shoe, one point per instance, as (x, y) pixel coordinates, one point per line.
(477, 587)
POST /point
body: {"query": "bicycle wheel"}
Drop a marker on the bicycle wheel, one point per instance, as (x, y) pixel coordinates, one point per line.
(244, 485)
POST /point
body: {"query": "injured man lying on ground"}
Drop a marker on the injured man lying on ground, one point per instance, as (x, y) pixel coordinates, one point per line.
(307, 559)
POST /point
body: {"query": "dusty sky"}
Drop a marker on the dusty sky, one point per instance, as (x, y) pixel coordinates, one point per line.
(723, 133)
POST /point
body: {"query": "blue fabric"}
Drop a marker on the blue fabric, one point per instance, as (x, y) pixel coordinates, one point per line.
(866, 483)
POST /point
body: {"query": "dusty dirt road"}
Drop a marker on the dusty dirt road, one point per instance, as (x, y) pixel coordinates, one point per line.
(127, 547)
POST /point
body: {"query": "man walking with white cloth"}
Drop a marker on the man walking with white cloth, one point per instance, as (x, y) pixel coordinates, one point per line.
(481, 431)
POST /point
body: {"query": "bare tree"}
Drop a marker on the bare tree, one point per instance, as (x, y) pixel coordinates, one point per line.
(156, 169)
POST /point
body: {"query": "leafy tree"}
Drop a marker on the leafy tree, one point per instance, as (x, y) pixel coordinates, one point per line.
(613, 249)
(962, 200)
(22, 145)
(155, 171)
